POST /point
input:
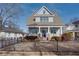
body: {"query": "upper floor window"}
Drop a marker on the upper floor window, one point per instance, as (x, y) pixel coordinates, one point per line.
(77, 26)
(44, 19)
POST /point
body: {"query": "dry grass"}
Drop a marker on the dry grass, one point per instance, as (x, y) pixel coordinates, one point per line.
(43, 48)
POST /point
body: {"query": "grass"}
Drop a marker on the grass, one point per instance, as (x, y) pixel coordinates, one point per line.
(43, 48)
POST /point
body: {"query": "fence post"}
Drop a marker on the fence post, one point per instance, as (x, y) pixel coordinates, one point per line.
(37, 48)
(1, 43)
(17, 40)
(57, 44)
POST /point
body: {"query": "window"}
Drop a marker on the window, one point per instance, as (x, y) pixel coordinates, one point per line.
(33, 30)
(76, 25)
(44, 19)
(53, 30)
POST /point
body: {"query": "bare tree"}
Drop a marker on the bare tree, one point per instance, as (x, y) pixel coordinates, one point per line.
(10, 12)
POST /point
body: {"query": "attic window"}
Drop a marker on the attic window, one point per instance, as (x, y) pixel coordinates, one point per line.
(43, 11)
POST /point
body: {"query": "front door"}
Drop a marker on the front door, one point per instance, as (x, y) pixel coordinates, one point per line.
(44, 31)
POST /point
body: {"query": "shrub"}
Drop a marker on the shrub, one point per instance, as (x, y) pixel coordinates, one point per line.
(30, 38)
(56, 38)
(67, 36)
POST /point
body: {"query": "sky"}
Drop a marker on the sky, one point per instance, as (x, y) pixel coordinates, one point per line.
(65, 11)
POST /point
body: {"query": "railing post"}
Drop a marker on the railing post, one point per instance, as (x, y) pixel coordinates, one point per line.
(57, 44)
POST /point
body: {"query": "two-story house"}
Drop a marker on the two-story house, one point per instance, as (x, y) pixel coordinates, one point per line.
(45, 23)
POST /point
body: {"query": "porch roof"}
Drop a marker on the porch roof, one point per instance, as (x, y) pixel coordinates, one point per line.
(74, 30)
(44, 24)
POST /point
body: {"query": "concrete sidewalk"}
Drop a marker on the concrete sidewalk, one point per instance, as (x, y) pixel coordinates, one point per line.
(20, 53)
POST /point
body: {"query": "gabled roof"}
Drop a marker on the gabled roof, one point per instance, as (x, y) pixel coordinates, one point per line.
(56, 19)
(43, 8)
(76, 22)
(73, 30)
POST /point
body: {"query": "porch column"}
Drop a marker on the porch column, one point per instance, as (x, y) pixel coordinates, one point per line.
(39, 30)
(61, 31)
(73, 35)
(48, 30)
(48, 33)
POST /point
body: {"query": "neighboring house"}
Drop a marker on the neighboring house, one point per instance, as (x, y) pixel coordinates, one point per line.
(74, 29)
(45, 23)
(9, 32)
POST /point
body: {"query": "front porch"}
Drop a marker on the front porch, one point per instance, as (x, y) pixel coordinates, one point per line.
(46, 31)
(75, 35)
